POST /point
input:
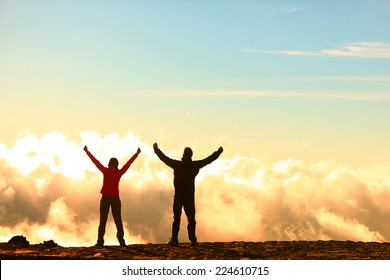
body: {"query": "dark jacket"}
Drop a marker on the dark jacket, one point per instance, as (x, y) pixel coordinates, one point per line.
(185, 172)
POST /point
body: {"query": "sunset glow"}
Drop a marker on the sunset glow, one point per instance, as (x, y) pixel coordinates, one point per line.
(297, 93)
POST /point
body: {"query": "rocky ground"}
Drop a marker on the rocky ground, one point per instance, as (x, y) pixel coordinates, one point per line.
(270, 250)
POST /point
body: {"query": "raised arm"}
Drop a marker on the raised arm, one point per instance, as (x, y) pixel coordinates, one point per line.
(93, 159)
(210, 158)
(130, 161)
(168, 161)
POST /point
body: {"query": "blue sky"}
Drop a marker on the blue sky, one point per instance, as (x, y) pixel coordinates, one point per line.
(312, 72)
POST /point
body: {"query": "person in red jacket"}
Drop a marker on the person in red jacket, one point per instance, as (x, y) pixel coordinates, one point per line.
(110, 195)
(185, 171)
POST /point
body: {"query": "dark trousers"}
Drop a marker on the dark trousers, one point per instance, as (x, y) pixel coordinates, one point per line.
(188, 203)
(115, 203)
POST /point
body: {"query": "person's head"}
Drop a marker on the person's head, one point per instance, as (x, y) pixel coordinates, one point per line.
(187, 154)
(113, 163)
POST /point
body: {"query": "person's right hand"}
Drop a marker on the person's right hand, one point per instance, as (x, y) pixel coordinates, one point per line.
(85, 148)
(155, 146)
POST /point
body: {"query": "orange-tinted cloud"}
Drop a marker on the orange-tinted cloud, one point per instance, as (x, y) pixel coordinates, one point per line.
(50, 190)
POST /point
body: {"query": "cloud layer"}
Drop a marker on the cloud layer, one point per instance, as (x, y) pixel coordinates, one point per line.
(50, 190)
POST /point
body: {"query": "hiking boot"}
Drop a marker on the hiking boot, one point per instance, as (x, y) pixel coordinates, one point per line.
(173, 242)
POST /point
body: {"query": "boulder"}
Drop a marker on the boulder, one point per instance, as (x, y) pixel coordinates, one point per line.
(19, 240)
(49, 244)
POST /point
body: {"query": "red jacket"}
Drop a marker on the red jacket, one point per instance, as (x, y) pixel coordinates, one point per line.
(111, 176)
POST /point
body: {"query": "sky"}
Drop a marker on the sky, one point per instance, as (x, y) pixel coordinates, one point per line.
(297, 93)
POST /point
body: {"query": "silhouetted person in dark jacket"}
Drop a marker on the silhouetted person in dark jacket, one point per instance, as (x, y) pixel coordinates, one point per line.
(110, 195)
(185, 172)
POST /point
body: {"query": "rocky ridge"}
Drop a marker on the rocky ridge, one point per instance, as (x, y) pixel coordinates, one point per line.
(236, 250)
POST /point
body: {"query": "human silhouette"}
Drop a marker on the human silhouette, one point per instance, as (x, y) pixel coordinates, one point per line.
(185, 172)
(110, 195)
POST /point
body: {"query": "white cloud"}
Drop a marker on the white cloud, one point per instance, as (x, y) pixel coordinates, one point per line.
(341, 227)
(237, 198)
(332, 94)
(287, 10)
(361, 49)
(358, 49)
(284, 52)
(290, 10)
(346, 94)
